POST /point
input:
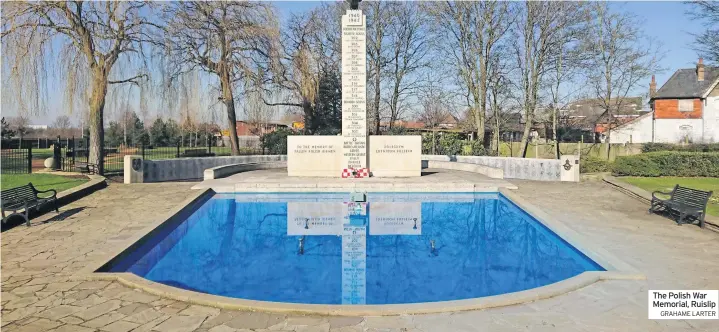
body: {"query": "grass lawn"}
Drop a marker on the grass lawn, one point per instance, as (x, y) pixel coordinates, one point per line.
(41, 181)
(667, 183)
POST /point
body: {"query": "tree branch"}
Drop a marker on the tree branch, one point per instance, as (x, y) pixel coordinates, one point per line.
(132, 80)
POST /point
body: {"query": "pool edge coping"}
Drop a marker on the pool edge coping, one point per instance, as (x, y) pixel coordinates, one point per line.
(615, 268)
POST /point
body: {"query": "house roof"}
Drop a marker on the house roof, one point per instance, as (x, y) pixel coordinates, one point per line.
(270, 123)
(633, 120)
(684, 84)
(405, 124)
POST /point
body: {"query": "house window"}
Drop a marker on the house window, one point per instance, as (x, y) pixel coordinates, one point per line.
(686, 105)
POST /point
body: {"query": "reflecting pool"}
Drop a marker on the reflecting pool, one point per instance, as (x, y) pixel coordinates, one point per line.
(323, 249)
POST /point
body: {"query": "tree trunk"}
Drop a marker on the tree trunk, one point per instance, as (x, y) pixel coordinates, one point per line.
(309, 116)
(495, 133)
(376, 98)
(479, 122)
(393, 107)
(229, 100)
(482, 98)
(95, 121)
(555, 137)
(525, 134)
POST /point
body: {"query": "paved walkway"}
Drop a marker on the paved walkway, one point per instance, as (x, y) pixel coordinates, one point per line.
(38, 296)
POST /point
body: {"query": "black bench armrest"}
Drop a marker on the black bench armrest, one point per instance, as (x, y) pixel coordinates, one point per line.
(54, 192)
(660, 192)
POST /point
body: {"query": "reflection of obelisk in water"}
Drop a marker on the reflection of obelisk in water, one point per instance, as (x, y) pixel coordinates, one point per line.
(354, 254)
(354, 99)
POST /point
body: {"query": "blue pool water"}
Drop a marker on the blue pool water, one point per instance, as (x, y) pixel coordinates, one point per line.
(317, 248)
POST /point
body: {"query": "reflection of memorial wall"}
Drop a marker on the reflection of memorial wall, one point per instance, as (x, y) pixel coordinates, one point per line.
(314, 218)
(396, 218)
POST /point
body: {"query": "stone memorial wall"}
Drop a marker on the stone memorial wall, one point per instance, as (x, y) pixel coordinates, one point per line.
(314, 156)
(395, 156)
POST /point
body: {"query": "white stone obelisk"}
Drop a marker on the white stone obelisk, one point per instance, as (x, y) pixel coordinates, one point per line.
(354, 101)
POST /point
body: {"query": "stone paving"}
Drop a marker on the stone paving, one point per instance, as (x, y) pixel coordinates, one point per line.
(38, 295)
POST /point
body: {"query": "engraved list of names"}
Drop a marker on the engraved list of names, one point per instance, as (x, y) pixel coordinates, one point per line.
(354, 78)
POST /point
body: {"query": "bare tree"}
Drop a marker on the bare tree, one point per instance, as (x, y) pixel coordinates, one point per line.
(232, 40)
(472, 31)
(619, 57)
(435, 108)
(540, 33)
(257, 113)
(565, 68)
(499, 95)
(379, 15)
(408, 48)
(311, 46)
(62, 125)
(93, 37)
(707, 42)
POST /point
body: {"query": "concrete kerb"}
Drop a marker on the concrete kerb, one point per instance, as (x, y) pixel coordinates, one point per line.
(616, 269)
(222, 302)
(712, 222)
(96, 182)
(245, 187)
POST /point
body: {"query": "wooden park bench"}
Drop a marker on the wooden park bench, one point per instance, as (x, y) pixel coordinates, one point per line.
(84, 167)
(685, 202)
(23, 199)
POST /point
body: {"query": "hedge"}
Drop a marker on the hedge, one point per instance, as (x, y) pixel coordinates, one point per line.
(668, 163)
(654, 147)
(591, 164)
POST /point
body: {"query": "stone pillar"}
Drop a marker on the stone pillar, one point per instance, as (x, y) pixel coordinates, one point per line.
(133, 169)
(569, 168)
(354, 98)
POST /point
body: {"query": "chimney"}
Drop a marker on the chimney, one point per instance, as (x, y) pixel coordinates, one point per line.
(700, 70)
(652, 88)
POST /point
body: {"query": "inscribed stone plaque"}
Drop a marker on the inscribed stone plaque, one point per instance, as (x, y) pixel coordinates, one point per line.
(314, 156)
(396, 156)
(354, 103)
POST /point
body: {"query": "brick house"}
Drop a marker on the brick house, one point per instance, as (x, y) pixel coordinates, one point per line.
(684, 109)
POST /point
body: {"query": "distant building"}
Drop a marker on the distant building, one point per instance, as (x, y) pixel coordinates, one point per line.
(685, 109)
(37, 127)
(589, 118)
(246, 128)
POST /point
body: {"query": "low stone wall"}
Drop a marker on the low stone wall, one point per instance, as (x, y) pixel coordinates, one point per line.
(519, 168)
(512, 168)
(227, 170)
(194, 168)
(494, 173)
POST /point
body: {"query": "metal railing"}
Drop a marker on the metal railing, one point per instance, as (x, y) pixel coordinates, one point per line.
(16, 161)
(20, 156)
